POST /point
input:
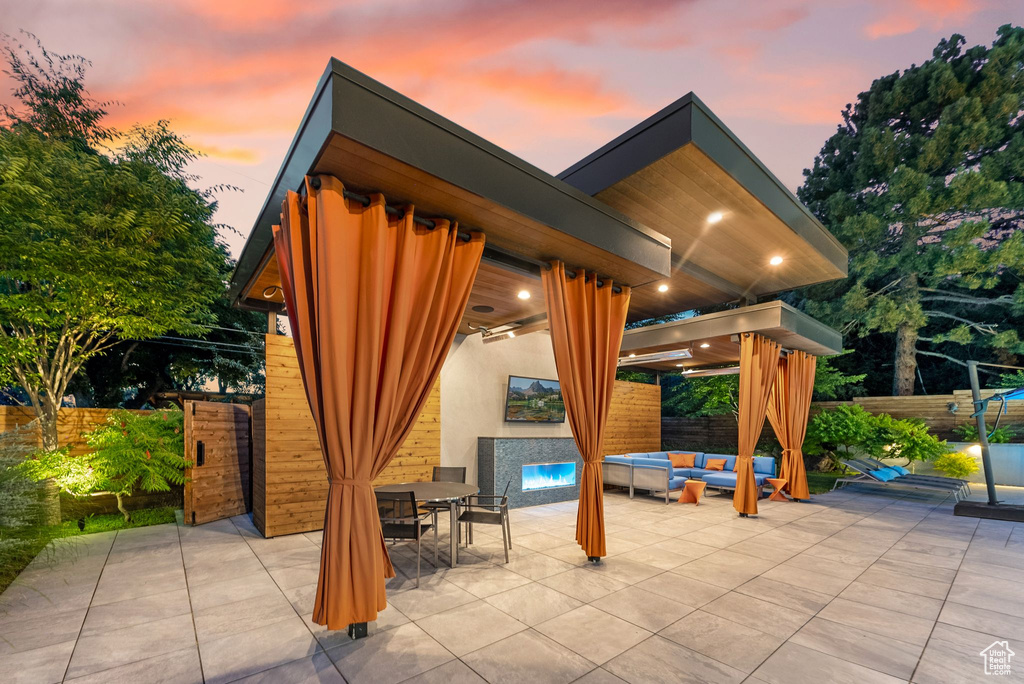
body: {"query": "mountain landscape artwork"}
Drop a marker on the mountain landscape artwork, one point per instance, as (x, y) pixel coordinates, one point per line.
(532, 400)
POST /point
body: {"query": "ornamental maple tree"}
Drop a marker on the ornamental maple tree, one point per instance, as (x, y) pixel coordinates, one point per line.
(98, 245)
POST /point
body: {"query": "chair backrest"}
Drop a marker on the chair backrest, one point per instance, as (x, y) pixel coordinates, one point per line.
(862, 468)
(504, 497)
(449, 474)
(396, 506)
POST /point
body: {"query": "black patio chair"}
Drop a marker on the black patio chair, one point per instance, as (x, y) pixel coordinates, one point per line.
(445, 474)
(401, 520)
(493, 513)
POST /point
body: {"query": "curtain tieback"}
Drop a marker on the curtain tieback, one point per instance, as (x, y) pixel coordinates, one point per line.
(348, 482)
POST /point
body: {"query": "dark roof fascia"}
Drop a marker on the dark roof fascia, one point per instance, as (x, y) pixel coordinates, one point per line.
(754, 318)
(356, 106)
(688, 120)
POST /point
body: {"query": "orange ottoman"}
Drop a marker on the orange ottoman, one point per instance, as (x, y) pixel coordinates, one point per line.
(692, 489)
(777, 484)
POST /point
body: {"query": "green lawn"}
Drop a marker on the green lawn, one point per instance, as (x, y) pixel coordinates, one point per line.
(19, 546)
(819, 483)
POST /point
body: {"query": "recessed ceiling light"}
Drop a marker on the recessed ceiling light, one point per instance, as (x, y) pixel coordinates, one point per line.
(663, 288)
(715, 217)
(704, 345)
(632, 356)
(775, 260)
(511, 334)
(524, 294)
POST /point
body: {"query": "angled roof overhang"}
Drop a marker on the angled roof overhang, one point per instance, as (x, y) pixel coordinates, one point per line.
(377, 140)
(778, 321)
(680, 166)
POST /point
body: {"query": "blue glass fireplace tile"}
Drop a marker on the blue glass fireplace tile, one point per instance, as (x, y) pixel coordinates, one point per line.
(548, 475)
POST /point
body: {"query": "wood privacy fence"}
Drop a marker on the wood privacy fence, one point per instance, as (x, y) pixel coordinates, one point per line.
(71, 424)
(933, 409)
(634, 418)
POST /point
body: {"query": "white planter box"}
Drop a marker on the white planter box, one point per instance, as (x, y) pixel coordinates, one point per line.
(1007, 463)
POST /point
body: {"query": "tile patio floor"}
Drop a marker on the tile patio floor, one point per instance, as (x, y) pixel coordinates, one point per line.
(853, 587)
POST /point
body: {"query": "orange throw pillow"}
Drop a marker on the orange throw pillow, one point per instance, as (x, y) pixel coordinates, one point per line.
(681, 460)
(715, 464)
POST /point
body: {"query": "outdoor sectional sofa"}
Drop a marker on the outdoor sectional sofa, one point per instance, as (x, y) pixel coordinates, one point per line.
(652, 471)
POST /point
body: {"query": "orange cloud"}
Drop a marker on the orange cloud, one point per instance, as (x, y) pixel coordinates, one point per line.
(238, 155)
(902, 18)
(553, 88)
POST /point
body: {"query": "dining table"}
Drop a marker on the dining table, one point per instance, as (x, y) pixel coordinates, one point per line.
(438, 492)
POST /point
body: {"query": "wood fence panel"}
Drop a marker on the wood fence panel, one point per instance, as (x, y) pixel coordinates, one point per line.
(294, 480)
(217, 438)
(634, 419)
(933, 409)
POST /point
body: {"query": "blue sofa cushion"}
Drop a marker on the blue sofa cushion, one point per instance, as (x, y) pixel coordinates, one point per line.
(683, 472)
(658, 454)
(764, 464)
(676, 482)
(900, 469)
(717, 479)
(617, 459)
(637, 455)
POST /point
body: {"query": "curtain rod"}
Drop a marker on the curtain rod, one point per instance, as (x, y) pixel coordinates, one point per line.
(430, 225)
(394, 211)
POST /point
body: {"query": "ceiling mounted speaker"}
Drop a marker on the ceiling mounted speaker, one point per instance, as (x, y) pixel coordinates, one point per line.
(483, 308)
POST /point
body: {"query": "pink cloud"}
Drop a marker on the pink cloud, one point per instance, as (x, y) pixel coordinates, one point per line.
(903, 17)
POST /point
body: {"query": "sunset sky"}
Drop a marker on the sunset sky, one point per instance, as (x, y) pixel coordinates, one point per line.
(548, 80)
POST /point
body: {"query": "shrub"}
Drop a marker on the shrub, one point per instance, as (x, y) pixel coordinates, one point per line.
(834, 433)
(968, 432)
(903, 438)
(956, 464)
(131, 451)
(845, 431)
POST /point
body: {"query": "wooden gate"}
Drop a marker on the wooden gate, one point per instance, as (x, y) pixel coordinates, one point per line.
(217, 442)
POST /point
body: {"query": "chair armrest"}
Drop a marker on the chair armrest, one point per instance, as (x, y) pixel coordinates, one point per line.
(494, 508)
(408, 519)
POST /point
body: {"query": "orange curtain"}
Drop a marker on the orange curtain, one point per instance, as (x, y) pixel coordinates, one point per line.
(586, 323)
(759, 363)
(374, 303)
(788, 408)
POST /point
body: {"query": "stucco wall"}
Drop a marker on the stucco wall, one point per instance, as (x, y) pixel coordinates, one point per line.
(473, 385)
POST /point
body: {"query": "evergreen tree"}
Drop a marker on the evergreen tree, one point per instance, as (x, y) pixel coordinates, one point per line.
(924, 184)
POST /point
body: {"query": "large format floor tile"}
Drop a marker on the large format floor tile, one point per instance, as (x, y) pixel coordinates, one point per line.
(850, 587)
(576, 629)
(526, 658)
(660, 661)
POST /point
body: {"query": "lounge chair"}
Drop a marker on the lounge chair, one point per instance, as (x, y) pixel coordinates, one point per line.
(874, 466)
(866, 476)
(934, 478)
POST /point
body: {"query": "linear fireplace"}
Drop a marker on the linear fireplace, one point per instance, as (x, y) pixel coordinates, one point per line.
(536, 470)
(548, 475)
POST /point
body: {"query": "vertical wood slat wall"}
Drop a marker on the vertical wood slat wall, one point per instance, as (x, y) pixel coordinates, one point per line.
(634, 419)
(289, 479)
